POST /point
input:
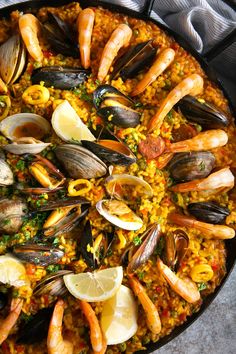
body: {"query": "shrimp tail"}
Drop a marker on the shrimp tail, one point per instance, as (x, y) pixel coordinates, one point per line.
(85, 22)
(186, 187)
(30, 28)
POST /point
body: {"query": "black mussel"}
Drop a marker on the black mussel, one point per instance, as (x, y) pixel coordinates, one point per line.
(110, 151)
(3, 300)
(102, 245)
(176, 246)
(191, 165)
(62, 203)
(36, 329)
(86, 246)
(60, 36)
(205, 114)
(60, 77)
(146, 249)
(109, 92)
(209, 212)
(52, 284)
(134, 60)
(38, 254)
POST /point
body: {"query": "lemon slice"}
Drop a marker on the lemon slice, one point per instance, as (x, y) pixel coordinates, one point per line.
(12, 271)
(68, 125)
(119, 317)
(97, 286)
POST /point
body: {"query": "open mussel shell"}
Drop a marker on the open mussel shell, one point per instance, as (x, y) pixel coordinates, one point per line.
(36, 329)
(80, 162)
(205, 114)
(110, 151)
(110, 92)
(38, 254)
(12, 59)
(176, 246)
(62, 203)
(12, 212)
(134, 60)
(26, 145)
(119, 214)
(86, 244)
(6, 174)
(60, 77)
(148, 246)
(22, 124)
(52, 284)
(209, 212)
(191, 165)
(123, 186)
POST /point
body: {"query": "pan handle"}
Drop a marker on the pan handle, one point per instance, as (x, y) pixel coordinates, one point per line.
(221, 46)
(147, 7)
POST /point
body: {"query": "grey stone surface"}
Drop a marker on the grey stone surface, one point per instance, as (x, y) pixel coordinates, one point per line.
(214, 332)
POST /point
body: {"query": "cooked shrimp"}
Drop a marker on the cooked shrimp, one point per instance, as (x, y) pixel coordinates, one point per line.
(55, 342)
(85, 23)
(192, 85)
(120, 37)
(209, 231)
(160, 64)
(8, 323)
(98, 341)
(29, 29)
(163, 160)
(207, 140)
(186, 288)
(153, 319)
(219, 180)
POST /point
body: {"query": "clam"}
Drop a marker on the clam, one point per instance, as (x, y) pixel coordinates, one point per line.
(80, 162)
(126, 187)
(26, 145)
(24, 125)
(203, 113)
(209, 212)
(12, 59)
(119, 214)
(191, 165)
(38, 254)
(52, 284)
(134, 60)
(114, 107)
(11, 214)
(60, 77)
(176, 246)
(6, 175)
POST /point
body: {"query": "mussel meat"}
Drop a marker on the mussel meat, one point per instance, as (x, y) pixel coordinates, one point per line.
(80, 162)
(11, 214)
(134, 60)
(60, 77)
(38, 254)
(203, 113)
(115, 107)
(176, 246)
(191, 165)
(6, 175)
(209, 212)
(26, 145)
(119, 214)
(52, 284)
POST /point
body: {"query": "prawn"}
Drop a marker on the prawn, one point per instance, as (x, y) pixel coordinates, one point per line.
(209, 231)
(219, 180)
(186, 288)
(97, 339)
(160, 64)
(55, 342)
(85, 23)
(120, 37)
(153, 319)
(191, 85)
(207, 140)
(29, 29)
(8, 323)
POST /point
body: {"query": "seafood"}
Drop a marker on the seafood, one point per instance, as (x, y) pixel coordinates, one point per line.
(12, 213)
(119, 38)
(8, 323)
(38, 254)
(3, 300)
(98, 341)
(56, 344)
(85, 23)
(161, 63)
(151, 147)
(6, 175)
(152, 315)
(183, 287)
(52, 284)
(208, 212)
(30, 29)
(209, 231)
(192, 85)
(218, 181)
(5, 105)
(26, 145)
(176, 246)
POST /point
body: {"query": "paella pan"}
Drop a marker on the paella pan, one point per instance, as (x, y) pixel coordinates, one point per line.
(117, 182)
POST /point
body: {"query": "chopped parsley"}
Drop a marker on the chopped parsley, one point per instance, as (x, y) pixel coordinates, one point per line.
(82, 92)
(202, 166)
(137, 241)
(20, 165)
(202, 286)
(140, 275)
(53, 268)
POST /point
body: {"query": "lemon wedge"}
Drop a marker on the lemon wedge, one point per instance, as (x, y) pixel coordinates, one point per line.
(12, 271)
(97, 286)
(119, 317)
(68, 125)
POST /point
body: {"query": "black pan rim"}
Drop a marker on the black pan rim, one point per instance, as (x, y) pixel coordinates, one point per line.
(31, 5)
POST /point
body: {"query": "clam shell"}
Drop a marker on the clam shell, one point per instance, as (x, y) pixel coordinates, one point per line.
(11, 215)
(6, 175)
(19, 148)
